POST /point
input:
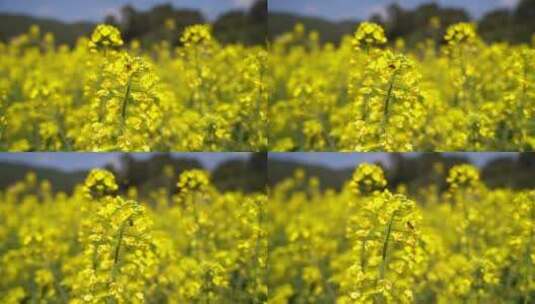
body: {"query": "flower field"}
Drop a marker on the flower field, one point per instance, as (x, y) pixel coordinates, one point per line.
(366, 244)
(195, 245)
(463, 95)
(362, 95)
(429, 235)
(104, 95)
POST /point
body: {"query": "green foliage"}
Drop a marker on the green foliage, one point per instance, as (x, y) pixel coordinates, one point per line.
(65, 33)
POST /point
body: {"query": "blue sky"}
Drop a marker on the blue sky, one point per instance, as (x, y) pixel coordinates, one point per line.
(95, 10)
(362, 9)
(77, 161)
(348, 160)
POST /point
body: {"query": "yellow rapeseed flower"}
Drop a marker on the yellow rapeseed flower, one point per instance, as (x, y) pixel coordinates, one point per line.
(200, 34)
(105, 36)
(461, 33)
(463, 176)
(367, 179)
(369, 34)
(193, 181)
(100, 183)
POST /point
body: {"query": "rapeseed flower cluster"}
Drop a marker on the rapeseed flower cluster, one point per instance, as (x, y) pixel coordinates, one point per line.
(461, 33)
(368, 35)
(75, 248)
(367, 95)
(386, 247)
(100, 183)
(197, 35)
(198, 96)
(368, 179)
(463, 176)
(193, 181)
(362, 95)
(105, 36)
(377, 245)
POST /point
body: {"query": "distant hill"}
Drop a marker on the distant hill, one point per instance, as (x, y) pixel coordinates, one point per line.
(11, 172)
(514, 25)
(416, 172)
(280, 22)
(279, 170)
(248, 175)
(254, 173)
(150, 26)
(65, 33)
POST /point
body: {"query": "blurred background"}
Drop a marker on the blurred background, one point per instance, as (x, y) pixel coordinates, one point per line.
(415, 170)
(251, 172)
(146, 171)
(413, 20)
(149, 21)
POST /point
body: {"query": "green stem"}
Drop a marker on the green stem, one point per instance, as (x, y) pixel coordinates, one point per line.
(363, 255)
(521, 105)
(384, 262)
(468, 229)
(528, 260)
(125, 101)
(57, 285)
(198, 70)
(387, 102)
(60, 119)
(387, 99)
(365, 108)
(118, 247)
(95, 256)
(464, 75)
(119, 243)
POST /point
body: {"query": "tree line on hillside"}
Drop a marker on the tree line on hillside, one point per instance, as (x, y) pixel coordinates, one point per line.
(416, 172)
(159, 171)
(252, 174)
(161, 22)
(427, 21)
(254, 26)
